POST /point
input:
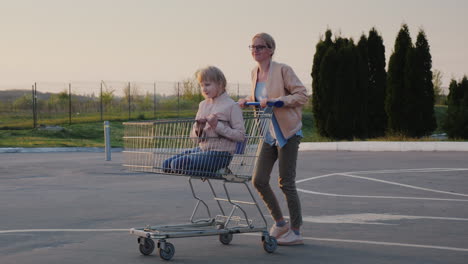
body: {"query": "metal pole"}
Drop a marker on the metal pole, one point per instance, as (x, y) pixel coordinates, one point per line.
(107, 140)
(69, 104)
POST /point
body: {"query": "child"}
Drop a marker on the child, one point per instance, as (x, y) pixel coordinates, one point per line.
(219, 126)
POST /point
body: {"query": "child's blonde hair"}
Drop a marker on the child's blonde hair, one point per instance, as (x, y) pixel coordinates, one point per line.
(212, 74)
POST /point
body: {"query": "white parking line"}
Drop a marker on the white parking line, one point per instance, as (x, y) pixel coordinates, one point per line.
(351, 174)
(386, 171)
(381, 197)
(377, 243)
(402, 185)
(371, 218)
(255, 234)
(409, 170)
(316, 177)
(385, 243)
(61, 230)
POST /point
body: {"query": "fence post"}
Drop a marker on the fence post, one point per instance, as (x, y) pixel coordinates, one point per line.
(178, 101)
(35, 105)
(32, 103)
(129, 101)
(101, 108)
(69, 104)
(154, 100)
(107, 140)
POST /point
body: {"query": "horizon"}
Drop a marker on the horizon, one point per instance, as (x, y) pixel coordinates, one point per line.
(62, 41)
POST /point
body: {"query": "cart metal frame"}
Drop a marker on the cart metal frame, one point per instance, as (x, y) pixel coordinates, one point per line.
(148, 144)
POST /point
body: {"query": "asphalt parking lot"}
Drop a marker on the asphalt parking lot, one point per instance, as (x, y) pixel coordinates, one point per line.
(358, 207)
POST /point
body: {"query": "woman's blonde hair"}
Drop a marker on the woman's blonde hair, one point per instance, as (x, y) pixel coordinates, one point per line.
(269, 41)
(212, 74)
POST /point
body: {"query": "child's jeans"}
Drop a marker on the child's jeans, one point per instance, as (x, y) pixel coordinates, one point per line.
(197, 162)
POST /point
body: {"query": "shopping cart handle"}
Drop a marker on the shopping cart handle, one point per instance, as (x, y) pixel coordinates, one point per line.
(271, 103)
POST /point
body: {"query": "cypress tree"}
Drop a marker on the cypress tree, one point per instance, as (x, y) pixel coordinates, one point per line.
(427, 121)
(396, 101)
(331, 77)
(319, 109)
(464, 114)
(377, 85)
(327, 87)
(456, 123)
(452, 108)
(362, 99)
(413, 91)
(346, 91)
(339, 80)
(340, 84)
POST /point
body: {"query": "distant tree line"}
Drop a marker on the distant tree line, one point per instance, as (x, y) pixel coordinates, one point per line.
(355, 97)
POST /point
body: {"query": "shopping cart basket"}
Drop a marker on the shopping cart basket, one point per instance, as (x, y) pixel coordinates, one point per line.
(149, 144)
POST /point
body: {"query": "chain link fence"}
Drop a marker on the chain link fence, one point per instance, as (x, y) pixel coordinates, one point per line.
(48, 103)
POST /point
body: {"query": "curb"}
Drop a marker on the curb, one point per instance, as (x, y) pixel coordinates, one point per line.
(384, 146)
(64, 149)
(305, 146)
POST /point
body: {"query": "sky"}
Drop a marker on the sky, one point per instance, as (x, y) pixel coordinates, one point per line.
(168, 40)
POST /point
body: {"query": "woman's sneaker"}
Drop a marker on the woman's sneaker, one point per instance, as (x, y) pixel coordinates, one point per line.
(277, 231)
(289, 239)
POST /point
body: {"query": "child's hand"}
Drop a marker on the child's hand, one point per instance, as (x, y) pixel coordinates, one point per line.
(212, 120)
(201, 121)
(199, 126)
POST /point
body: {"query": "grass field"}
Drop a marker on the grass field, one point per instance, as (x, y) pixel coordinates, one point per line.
(87, 131)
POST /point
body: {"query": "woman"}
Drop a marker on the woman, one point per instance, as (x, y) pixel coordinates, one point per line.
(273, 81)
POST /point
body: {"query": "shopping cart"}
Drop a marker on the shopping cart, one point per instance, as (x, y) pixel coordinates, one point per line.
(149, 144)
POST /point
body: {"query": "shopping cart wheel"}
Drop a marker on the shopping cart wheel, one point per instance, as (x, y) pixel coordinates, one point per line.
(225, 239)
(146, 245)
(270, 244)
(168, 252)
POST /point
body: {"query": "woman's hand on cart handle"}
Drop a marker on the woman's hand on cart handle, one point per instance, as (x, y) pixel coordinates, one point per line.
(263, 102)
(242, 102)
(268, 103)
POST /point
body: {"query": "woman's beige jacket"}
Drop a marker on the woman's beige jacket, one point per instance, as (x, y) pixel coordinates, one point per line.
(283, 84)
